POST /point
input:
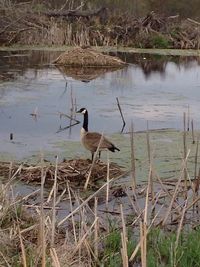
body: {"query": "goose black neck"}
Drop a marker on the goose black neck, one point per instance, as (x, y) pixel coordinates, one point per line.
(85, 121)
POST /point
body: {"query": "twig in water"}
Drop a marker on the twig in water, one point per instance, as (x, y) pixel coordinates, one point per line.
(11, 136)
(34, 114)
(120, 110)
(192, 126)
(184, 150)
(72, 102)
(148, 144)
(73, 110)
(67, 116)
(67, 127)
(188, 119)
(71, 124)
(150, 163)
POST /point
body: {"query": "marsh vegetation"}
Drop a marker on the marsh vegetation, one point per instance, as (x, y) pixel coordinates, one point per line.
(94, 24)
(74, 217)
(139, 207)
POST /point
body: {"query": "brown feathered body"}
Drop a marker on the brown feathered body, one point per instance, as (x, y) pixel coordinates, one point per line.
(93, 140)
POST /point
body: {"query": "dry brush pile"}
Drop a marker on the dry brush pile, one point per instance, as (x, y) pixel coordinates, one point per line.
(31, 24)
(74, 171)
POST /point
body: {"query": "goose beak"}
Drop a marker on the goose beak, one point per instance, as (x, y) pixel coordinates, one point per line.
(78, 111)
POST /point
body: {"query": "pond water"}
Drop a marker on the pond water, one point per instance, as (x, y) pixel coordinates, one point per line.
(157, 89)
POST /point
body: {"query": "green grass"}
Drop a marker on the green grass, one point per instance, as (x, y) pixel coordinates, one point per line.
(111, 256)
(161, 250)
(163, 253)
(31, 259)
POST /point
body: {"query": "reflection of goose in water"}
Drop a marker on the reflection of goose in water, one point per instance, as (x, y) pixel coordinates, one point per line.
(91, 140)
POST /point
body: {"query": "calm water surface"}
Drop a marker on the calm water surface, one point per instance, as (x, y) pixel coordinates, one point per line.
(152, 88)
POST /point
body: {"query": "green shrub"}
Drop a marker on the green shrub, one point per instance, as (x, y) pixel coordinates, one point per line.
(160, 41)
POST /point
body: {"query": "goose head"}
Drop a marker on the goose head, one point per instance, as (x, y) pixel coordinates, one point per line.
(82, 110)
(85, 119)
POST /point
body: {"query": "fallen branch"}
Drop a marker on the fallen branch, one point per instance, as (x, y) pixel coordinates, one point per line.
(120, 110)
(193, 21)
(76, 13)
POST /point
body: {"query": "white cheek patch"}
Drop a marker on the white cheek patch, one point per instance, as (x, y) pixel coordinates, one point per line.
(83, 131)
(83, 111)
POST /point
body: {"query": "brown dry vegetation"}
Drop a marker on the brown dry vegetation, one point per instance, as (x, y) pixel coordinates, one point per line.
(87, 56)
(83, 236)
(74, 171)
(35, 25)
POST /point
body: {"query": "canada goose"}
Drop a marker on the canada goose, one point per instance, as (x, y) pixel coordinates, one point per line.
(91, 140)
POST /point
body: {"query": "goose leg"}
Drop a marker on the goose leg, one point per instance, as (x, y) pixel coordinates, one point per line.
(92, 155)
(99, 154)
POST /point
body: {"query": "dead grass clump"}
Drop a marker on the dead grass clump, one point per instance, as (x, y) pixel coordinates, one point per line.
(14, 220)
(66, 257)
(75, 171)
(88, 57)
(8, 245)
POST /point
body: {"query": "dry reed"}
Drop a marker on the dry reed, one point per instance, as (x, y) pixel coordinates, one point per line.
(133, 173)
(42, 240)
(176, 189)
(54, 205)
(107, 179)
(124, 239)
